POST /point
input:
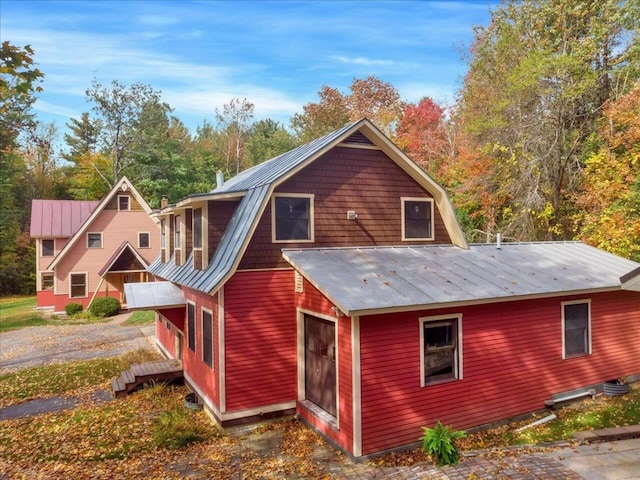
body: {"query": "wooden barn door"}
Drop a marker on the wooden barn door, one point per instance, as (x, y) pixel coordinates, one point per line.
(320, 362)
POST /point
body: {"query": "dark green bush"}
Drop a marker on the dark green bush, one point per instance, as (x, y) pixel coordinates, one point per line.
(72, 308)
(104, 307)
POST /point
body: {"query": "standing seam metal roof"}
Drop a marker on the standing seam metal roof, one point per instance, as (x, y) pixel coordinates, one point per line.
(365, 280)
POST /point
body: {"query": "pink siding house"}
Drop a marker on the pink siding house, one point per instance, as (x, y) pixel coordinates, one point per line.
(87, 249)
(334, 282)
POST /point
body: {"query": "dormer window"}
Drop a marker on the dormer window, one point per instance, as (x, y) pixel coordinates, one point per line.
(176, 232)
(197, 228)
(292, 218)
(417, 219)
(124, 202)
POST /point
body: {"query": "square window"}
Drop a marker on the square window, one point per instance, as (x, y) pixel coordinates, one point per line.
(48, 247)
(441, 349)
(78, 284)
(576, 329)
(292, 218)
(144, 240)
(47, 281)
(191, 326)
(417, 219)
(207, 338)
(197, 228)
(124, 202)
(94, 240)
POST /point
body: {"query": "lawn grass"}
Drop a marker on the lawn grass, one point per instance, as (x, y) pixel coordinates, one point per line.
(18, 312)
(141, 317)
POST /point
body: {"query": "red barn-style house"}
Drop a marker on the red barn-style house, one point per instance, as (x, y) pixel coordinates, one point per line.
(89, 249)
(334, 281)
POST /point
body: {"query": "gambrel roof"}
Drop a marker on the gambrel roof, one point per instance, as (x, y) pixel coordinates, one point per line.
(361, 281)
(255, 187)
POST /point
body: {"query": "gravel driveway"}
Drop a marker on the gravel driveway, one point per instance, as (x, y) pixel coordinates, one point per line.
(31, 346)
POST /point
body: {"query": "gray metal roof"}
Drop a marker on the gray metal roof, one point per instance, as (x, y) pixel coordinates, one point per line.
(150, 295)
(370, 280)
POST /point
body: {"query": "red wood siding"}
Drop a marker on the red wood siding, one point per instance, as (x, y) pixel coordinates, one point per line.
(204, 377)
(166, 335)
(218, 216)
(313, 301)
(336, 180)
(512, 363)
(45, 298)
(260, 339)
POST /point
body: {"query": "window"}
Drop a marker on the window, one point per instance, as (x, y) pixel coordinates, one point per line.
(144, 240)
(94, 240)
(176, 232)
(123, 202)
(417, 219)
(440, 339)
(292, 218)
(576, 329)
(191, 326)
(48, 247)
(163, 235)
(207, 337)
(47, 281)
(197, 228)
(78, 284)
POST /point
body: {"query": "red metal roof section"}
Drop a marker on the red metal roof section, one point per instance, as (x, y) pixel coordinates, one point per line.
(59, 218)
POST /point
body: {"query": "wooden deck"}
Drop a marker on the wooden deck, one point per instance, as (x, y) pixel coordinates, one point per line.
(141, 373)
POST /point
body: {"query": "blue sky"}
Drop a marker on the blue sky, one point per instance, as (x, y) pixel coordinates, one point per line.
(276, 54)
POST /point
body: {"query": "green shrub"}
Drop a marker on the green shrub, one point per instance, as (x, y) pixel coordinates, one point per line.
(104, 307)
(439, 442)
(72, 309)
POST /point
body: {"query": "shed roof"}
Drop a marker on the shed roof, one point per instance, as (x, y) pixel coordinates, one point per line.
(374, 280)
(59, 218)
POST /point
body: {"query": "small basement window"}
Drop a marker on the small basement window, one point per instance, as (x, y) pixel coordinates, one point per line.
(292, 218)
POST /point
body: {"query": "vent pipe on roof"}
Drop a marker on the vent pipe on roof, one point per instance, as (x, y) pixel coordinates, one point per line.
(219, 179)
(498, 241)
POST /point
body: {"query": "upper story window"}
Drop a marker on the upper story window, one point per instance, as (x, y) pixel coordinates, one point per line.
(292, 218)
(94, 240)
(47, 247)
(576, 328)
(176, 231)
(144, 240)
(197, 228)
(441, 346)
(124, 202)
(163, 235)
(417, 219)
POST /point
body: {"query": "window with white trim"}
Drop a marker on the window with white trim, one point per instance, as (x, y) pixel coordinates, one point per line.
(417, 219)
(163, 235)
(77, 285)
(197, 228)
(94, 240)
(46, 281)
(144, 240)
(292, 217)
(191, 326)
(124, 202)
(47, 247)
(441, 347)
(576, 328)
(176, 232)
(207, 337)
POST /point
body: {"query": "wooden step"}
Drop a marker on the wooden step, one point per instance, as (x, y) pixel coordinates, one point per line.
(141, 373)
